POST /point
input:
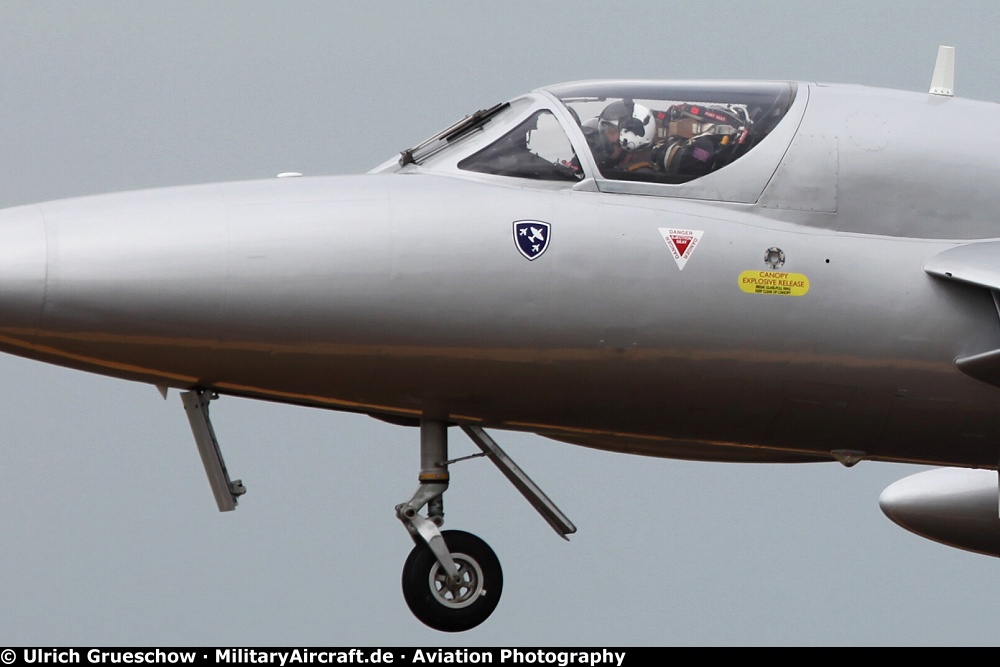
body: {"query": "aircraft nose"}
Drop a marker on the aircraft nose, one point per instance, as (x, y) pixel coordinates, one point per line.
(22, 270)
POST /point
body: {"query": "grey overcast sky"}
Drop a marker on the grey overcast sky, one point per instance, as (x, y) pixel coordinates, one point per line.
(109, 532)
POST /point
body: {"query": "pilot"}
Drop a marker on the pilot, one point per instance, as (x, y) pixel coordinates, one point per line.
(701, 139)
(622, 137)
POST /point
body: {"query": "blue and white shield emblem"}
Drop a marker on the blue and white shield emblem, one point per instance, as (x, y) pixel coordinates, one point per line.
(531, 237)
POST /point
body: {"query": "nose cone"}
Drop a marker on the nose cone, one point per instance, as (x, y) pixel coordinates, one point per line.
(954, 506)
(22, 273)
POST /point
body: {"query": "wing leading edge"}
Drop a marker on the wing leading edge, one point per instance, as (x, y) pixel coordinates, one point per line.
(973, 264)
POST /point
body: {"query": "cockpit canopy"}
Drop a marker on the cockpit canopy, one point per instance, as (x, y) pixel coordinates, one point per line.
(672, 133)
(642, 132)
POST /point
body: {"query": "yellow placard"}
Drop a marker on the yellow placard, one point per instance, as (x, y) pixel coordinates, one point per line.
(773, 282)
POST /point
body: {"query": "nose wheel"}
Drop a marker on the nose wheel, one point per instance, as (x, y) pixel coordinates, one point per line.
(458, 602)
(452, 580)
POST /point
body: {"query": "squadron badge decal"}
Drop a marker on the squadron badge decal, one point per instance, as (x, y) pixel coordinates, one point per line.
(531, 237)
(681, 243)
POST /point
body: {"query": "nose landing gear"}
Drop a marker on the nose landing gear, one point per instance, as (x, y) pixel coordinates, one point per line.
(452, 580)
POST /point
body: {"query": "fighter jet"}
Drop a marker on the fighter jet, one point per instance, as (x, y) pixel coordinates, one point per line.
(711, 270)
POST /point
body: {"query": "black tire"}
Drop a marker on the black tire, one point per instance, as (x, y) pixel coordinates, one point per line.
(441, 608)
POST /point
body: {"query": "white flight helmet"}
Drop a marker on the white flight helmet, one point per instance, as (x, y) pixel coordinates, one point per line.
(637, 130)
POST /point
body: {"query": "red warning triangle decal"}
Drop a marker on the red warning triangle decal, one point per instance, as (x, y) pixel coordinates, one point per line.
(681, 243)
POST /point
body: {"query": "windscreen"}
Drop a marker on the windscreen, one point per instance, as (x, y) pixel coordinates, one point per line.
(538, 148)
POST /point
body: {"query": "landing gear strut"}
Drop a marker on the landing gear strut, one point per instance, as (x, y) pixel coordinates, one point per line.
(452, 580)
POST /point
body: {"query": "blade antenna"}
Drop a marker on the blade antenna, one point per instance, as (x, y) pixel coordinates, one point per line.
(943, 81)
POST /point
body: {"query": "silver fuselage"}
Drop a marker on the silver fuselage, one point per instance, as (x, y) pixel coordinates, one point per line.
(401, 294)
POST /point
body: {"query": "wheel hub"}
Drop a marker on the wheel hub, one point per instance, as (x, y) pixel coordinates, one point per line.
(461, 590)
